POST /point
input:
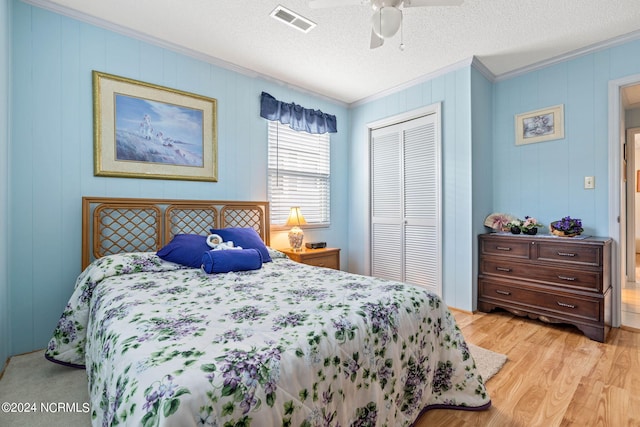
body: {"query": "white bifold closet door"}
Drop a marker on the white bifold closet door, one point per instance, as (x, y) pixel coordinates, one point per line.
(405, 203)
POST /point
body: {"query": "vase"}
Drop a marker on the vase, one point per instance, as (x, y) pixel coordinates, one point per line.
(531, 231)
(515, 230)
(562, 233)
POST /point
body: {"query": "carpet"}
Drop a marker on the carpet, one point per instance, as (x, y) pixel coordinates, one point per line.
(488, 362)
(40, 393)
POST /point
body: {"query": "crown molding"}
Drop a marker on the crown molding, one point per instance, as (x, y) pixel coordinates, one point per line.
(424, 78)
(474, 61)
(607, 44)
(482, 69)
(101, 23)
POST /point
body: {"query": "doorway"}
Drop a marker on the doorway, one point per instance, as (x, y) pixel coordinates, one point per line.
(622, 194)
(630, 294)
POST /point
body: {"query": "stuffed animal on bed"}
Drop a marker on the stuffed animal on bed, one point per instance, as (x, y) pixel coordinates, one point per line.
(215, 242)
(225, 257)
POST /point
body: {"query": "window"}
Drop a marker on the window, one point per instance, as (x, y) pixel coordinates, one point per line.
(299, 175)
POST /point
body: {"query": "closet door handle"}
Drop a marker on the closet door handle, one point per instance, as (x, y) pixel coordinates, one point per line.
(570, 279)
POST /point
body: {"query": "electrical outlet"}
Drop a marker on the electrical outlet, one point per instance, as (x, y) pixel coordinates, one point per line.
(589, 182)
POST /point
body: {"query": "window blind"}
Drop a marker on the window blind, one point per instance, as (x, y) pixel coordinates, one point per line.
(299, 174)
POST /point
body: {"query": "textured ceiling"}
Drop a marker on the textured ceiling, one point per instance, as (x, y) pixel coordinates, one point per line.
(334, 59)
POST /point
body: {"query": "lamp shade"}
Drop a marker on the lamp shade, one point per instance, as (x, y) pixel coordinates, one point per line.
(386, 21)
(295, 217)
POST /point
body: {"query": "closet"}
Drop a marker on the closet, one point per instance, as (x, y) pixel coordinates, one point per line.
(406, 202)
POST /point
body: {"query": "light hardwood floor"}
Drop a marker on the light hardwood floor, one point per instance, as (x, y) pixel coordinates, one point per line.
(554, 376)
(631, 300)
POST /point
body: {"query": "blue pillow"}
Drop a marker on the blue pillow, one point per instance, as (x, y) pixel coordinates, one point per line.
(248, 238)
(231, 260)
(185, 249)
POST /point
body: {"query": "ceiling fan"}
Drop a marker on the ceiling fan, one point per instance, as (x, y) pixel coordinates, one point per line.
(387, 15)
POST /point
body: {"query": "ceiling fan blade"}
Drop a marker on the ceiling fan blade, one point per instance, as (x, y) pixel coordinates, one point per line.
(321, 4)
(421, 3)
(376, 40)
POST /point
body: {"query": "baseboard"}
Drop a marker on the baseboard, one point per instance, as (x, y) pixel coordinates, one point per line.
(624, 327)
(459, 310)
(6, 363)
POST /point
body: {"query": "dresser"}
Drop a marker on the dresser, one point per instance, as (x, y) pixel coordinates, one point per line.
(554, 279)
(324, 257)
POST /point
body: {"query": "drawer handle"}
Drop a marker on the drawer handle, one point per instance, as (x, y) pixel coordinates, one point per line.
(562, 304)
(503, 248)
(502, 292)
(503, 269)
(569, 254)
(570, 279)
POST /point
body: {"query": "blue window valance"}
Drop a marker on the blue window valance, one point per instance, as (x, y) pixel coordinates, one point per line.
(297, 117)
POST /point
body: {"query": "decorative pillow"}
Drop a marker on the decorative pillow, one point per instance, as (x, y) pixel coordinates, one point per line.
(185, 249)
(225, 261)
(246, 237)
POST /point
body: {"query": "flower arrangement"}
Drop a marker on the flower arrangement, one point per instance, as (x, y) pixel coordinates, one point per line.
(499, 221)
(567, 227)
(529, 225)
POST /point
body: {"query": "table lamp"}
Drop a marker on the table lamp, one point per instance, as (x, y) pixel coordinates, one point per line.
(296, 236)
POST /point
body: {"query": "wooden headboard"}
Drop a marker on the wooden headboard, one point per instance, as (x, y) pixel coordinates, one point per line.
(116, 225)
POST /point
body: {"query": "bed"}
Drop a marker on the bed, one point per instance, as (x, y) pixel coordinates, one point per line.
(286, 344)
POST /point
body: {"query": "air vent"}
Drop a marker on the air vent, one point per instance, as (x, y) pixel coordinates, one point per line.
(292, 19)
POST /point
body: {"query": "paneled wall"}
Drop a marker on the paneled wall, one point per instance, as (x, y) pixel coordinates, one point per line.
(51, 154)
(546, 180)
(482, 170)
(5, 37)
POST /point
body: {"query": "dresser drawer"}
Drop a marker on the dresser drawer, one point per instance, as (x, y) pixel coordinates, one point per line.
(569, 253)
(513, 248)
(570, 278)
(559, 304)
(324, 257)
(328, 261)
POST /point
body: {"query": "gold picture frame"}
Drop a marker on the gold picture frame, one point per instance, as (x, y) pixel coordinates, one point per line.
(540, 125)
(142, 130)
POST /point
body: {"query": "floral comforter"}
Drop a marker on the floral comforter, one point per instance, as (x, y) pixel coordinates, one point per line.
(288, 344)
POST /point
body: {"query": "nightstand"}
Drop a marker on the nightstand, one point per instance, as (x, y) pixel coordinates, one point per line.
(324, 257)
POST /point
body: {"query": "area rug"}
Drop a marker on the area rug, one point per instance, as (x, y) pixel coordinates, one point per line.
(488, 362)
(40, 393)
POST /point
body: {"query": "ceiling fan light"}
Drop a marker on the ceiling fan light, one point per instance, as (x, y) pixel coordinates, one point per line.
(386, 21)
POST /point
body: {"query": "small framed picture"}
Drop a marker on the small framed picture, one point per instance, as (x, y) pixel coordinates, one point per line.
(541, 125)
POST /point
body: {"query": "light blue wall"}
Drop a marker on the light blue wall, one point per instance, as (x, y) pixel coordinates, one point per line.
(453, 90)
(51, 152)
(482, 170)
(5, 50)
(546, 180)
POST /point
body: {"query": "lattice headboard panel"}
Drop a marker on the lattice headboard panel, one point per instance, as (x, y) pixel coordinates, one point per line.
(116, 225)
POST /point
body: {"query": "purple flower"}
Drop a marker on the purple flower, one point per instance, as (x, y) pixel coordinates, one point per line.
(248, 312)
(290, 319)
(568, 225)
